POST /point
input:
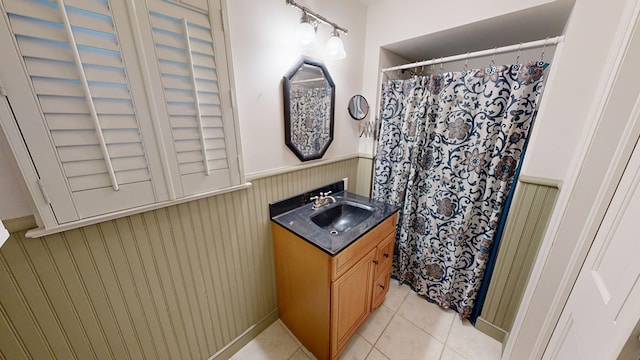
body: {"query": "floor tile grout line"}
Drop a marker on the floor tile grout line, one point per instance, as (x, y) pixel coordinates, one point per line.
(363, 338)
(424, 298)
(426, 333)
(301, 348)
(446, 340)
(293, 337)
(449, 331)
(385, 327)
(444, 343)
(395, 312)
(457, 353)
(370, 350)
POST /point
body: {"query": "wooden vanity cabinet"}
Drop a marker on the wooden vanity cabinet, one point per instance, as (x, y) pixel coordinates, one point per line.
(323, 299)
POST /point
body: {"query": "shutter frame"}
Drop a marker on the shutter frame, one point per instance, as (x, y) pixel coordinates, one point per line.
(164, 37)
(24, 104)
(44, 139)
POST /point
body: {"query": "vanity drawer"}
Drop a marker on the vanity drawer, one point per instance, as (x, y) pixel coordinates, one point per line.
(380, 288)
(361, 247)
(385, 252)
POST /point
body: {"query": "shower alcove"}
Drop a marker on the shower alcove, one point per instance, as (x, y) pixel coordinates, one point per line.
(533, 199)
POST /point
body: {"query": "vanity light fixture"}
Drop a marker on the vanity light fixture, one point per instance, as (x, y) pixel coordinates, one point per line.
(335, 47)
(307, 32)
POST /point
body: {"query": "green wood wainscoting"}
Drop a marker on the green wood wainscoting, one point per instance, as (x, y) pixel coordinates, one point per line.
(529, 215)
(196, 280)
(190, 281)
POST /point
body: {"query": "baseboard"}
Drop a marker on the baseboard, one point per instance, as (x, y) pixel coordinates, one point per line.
(242, 340)
(489, 329)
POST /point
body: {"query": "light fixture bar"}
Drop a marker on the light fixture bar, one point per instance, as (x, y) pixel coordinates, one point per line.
(317, 16)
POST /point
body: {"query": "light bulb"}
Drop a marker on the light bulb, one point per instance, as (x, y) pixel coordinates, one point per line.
(335, 47)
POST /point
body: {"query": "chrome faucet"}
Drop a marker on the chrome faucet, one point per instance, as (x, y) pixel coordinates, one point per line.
(322, 199)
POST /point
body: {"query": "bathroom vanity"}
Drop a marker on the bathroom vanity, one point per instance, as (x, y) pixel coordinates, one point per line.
(333, 266)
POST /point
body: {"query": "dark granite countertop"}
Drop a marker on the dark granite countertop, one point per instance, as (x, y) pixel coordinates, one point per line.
(298, 221)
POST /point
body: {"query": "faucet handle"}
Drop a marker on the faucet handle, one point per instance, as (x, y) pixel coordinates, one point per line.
(325, 194)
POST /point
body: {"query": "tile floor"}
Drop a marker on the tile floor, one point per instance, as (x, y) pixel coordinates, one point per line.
(404, 327)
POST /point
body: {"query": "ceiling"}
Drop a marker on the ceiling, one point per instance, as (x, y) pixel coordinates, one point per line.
(527, 25)
(369, 2)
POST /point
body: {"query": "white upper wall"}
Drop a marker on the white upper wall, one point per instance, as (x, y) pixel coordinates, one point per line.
(569, 90)
(14, 202)
(263, 44)
(393, 21)
(578, 64)
(263, 49)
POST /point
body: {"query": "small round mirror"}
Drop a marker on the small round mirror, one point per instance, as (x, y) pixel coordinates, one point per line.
(358, 107)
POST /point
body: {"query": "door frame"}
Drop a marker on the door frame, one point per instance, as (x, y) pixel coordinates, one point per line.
(545, 295)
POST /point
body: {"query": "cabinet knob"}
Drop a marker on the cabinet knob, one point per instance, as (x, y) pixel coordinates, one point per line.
(381, 287)
(375, 262)
(385, 255)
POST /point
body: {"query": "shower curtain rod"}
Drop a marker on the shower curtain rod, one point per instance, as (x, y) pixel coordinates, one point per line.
(498, 50)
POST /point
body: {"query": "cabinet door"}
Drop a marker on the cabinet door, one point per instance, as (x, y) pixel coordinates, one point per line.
(351, 301)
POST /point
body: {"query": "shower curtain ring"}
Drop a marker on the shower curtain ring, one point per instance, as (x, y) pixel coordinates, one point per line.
(544, 46)
(493, 57)
(466, 63)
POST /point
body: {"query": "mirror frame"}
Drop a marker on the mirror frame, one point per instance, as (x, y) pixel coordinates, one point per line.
(286, 87)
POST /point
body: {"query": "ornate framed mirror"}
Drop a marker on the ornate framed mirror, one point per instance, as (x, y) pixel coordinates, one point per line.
(309, 101)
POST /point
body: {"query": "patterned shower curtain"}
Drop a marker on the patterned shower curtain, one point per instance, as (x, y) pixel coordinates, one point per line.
(448, 150)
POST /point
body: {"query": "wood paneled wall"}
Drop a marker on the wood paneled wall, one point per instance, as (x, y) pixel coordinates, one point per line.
(190, 281)
(529, 215)
(365, 173)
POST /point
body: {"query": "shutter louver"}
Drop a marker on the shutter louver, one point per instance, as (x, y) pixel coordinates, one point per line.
(48, 55)
(117, 105)
(192, 94)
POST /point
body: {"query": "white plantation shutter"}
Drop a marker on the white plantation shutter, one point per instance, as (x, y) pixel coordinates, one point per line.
(190, 53)
(47, 54)
(118, 104)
